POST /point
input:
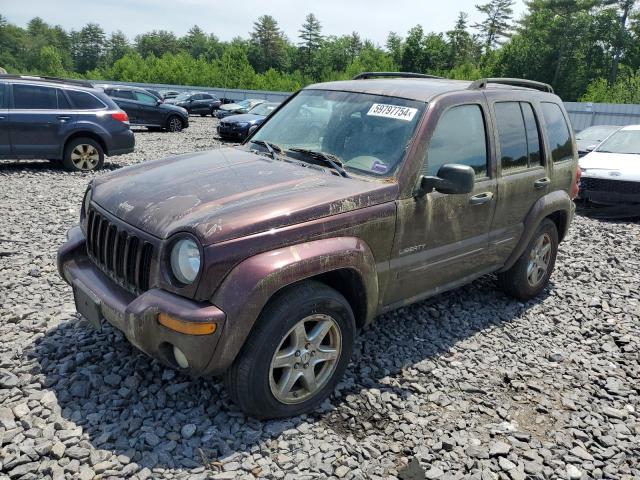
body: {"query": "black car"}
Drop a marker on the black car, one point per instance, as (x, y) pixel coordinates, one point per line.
(155, 93)
(238, 126)
(146, 110)
(57, 119)
(198, 102)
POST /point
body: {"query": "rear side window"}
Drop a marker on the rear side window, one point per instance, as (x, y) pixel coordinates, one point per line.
(124, 94)
(448, 145)
(206, 96)
(557, 131)
(533, 135)
(145, 98)
(63, 102)
(519, 136)
(84, 100)
(4, 100)
(33, 97)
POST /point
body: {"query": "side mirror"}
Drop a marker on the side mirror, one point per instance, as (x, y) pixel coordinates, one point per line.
(452, 179)
(252, 129)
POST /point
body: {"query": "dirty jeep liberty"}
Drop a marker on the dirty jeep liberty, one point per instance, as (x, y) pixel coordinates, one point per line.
(261, 261)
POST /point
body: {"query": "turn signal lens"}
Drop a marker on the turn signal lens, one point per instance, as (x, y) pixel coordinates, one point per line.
(188, 328)
(575, 190)
(120, 116)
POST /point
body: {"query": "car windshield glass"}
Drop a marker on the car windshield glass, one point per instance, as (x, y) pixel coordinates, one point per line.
(595, 133)
(244, 103)
(263, 108)
(623, 141)
(369, 134)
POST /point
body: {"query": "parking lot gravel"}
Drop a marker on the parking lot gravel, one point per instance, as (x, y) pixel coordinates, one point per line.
(469, 384)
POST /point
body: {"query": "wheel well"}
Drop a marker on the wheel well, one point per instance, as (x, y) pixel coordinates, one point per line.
(350, 285)
(560, 219)
(90, 135)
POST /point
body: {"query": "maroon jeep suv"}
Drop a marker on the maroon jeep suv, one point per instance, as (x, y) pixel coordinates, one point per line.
(262, 261)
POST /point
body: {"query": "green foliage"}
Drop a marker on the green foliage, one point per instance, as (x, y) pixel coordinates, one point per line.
(586, 49)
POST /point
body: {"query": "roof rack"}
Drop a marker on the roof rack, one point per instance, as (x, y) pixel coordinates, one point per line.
(366, 75)
(69, 81)
(515, 82)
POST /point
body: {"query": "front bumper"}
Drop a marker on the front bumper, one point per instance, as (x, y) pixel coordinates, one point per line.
(609, 192)
(230, 132)
(137, 316)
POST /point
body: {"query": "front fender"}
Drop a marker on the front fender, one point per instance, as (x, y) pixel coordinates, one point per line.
(552, 203)
(247, 289)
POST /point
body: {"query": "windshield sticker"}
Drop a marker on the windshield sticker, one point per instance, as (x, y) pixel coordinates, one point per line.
(379, 167)
(392, 111)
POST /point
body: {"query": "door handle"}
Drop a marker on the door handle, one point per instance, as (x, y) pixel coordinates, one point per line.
(542, 182)
(481, 198)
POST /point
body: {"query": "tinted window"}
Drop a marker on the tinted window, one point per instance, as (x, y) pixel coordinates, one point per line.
(206, 96)
(84, 100)
(459, 138)
(533, 135)
(32, 97)
(63, 101)
(145, 98)
(557, 131)
(3, 96)
(513, 138)
(126, 94)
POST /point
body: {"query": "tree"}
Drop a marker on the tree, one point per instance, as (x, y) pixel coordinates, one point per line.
(117, 47)
(461, 44)
(88, 47)
(156, 43)
(310, 43)
(195, 42)
(622, 36)
(497, 22)
(394, 47)
(267, 45)
(355, 45)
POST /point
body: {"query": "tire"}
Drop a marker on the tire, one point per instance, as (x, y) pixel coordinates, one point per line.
(174, 123)
(83, 154)
(521, 282)
(253, 383)
(213, 112)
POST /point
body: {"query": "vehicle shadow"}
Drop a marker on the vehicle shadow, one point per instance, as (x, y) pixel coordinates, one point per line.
(130, 405)
(49, 166)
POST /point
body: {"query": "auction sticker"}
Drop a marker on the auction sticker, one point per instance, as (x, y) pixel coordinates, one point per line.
(392, 111)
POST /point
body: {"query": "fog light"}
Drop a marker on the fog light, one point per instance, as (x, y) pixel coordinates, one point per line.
(180, 357)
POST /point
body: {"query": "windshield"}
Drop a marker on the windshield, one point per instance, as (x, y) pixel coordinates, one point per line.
(623, 141)
(264, 108)
(595, 133)
(368, 133)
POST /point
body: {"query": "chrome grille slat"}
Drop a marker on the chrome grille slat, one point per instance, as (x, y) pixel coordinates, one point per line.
(119, 253)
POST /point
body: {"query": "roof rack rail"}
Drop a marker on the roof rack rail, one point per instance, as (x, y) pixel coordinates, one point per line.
(515, 82)
(366, 75)
(70, 81)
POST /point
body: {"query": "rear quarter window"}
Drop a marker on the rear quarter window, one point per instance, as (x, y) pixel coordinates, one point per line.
(557, 132)
(4, 100)
(84, 100)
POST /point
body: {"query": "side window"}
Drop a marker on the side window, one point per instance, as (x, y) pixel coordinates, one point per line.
(449, 145)
(206, 97)
(4, 100)
(84, 100)
(533, 136)
(557, 131)
(513, 138)
(144, 98)
(33, 97)
(124, 94)
(63, 101)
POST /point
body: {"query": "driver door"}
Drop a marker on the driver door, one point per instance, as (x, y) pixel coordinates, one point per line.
(442, 239)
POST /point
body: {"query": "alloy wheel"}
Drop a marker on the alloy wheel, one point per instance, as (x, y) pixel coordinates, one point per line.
(85, 157)
(306, 359)
(175, 124)
(539, 260)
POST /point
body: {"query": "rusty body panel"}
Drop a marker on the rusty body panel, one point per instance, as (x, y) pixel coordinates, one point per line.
(263, 224)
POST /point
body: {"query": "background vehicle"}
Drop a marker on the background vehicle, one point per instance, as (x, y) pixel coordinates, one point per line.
(59, 119)
(589, 138)
(198, 102)
(264, 259)
(236, 108)
(611, 172)
(238, 126)
(168, 94)
(146, 110)
(155, 93)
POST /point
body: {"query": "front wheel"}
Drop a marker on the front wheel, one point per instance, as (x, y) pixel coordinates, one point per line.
(296, 353)
(174, 124)
(530, 274)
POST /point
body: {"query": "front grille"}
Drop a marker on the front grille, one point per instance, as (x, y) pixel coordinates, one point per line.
(605, 185)
(119, 253)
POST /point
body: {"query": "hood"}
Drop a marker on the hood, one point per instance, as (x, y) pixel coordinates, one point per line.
(230, 106)
(223, 194)
(614, 166)
(172, 107)
(244, 118)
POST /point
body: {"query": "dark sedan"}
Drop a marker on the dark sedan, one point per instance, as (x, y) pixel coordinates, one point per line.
(201, 103)
(146, 110)
(238, 126)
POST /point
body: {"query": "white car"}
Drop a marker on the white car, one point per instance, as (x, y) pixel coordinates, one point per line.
(611, 172)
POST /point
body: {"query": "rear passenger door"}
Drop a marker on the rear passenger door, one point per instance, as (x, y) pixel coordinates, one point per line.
(150, 112)
(523, 175)
(441, 239)
(38, 120)
(5, 143)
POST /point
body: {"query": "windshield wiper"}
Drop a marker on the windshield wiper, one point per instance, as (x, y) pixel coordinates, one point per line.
(332, 160)
(271, 147)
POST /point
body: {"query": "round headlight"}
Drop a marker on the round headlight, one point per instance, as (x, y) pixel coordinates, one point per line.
(185, 260)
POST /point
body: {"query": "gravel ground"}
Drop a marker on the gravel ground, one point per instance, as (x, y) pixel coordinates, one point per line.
(470, 384)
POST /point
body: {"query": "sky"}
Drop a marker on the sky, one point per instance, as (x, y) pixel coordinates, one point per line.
(373, 19)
